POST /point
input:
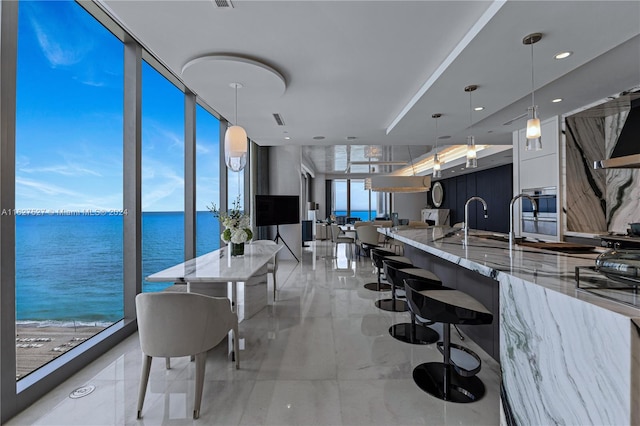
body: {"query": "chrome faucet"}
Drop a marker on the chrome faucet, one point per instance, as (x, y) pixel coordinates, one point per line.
(513, 200)
(466, 215)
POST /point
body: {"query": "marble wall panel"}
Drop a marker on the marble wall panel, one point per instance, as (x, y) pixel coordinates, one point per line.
(623, 185)
(585, 204)
(597, 200)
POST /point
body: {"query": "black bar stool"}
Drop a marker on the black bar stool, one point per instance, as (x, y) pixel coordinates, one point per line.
(390, 266)
(377, 255)
(447, 380)
(417, 331)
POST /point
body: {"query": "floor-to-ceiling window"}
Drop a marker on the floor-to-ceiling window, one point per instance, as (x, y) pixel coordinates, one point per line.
(70, 171)
(340, 198)
(351, 199)
(362, 202)
(207, 180)
(68, 184)
(235, 185)
(162, 174)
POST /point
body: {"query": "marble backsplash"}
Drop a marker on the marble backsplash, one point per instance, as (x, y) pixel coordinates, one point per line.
(597, 200)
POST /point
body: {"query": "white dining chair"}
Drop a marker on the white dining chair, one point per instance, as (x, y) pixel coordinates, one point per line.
(339, 237)
(367, 238)
(272, 266)
(172, 324)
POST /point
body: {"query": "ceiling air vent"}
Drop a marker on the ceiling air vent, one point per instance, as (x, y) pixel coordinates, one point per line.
(278, 119)
(223, 4)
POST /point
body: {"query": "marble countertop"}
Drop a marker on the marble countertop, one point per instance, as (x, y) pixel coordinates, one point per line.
(551, 270)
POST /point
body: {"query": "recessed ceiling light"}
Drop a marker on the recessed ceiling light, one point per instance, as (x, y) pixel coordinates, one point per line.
(478, 108)
(563, 55)
(445, 137)
(350, 138)
(556, 100)
(287, 137)
(318, 138)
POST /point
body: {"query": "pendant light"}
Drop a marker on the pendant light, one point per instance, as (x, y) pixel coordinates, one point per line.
(235, 141)
(437, 165)
(472, 159)
(390, 183)
(533, 124)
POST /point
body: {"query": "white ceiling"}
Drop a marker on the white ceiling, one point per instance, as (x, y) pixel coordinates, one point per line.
(377, 70)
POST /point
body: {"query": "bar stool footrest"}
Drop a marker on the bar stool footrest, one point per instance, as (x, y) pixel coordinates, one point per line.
(430, 377)
(392, 305)
(373, 286)
(464, 372)
(420, 336)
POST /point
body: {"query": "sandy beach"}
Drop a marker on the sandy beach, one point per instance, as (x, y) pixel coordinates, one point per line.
(36, 346)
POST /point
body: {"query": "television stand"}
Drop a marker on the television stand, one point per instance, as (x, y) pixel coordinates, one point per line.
(279, 237)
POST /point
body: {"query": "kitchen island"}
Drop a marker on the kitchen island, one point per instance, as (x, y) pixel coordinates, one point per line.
(566, 356)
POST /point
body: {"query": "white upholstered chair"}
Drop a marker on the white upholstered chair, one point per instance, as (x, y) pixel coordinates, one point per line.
(367, 238)
(339, 237)
(182, 324)
(272, 266)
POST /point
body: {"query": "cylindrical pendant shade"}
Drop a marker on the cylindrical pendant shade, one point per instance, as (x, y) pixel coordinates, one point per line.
(472, 159)
(437, 166)
(235, 148)
(533, 128)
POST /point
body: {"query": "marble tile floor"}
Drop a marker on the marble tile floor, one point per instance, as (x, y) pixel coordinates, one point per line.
(319, 355)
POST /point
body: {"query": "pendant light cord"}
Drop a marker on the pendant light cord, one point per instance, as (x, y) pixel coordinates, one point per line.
(436, 134)
(470, 111)
(411, 159)
(236, 123)
(533, 99)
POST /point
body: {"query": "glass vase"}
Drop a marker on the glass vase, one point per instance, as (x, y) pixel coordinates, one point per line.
(237, 249)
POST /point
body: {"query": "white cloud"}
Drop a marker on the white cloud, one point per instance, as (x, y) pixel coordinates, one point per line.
(56, 54)
(47, 188)
(62, 169)
(202, 149)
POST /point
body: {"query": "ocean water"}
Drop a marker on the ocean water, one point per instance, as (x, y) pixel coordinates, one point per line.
(362, 214)
(69, 269)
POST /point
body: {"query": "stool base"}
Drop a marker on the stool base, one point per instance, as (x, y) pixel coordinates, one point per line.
(422, 335)
(430, 378)
(377, 287)
(392, 305)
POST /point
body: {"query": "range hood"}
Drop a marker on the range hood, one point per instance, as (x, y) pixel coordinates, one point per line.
(626, 153)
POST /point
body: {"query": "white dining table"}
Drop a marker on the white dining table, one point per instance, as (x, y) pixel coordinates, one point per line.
(219, 267)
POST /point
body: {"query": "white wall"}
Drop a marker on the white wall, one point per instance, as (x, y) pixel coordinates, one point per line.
(285, 173)
(409, 206)
(319, 195)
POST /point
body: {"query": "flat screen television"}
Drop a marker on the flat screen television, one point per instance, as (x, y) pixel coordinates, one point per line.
(277, 209)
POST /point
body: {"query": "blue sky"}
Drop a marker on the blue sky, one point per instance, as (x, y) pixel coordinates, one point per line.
(69, 120)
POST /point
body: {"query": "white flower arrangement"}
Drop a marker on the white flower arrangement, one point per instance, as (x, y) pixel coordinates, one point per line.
(237, 224)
